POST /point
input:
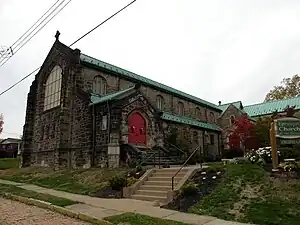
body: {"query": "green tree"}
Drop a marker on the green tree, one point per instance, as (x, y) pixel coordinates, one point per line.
(261, 129)
(289, 88)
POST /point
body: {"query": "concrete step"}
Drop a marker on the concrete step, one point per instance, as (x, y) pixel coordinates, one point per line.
(152, 193)
(173, 169)
(168, 174)
(156, 188)
(167, 179)
(160, 183)
(149, 198)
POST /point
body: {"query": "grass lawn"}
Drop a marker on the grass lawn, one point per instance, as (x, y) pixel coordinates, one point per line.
(81, 181)
(248, 194)
(138, 219)
(4, 188)
(9, 163)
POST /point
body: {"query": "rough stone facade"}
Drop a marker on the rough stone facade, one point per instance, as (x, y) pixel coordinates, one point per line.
(77, 134)
(226, 122)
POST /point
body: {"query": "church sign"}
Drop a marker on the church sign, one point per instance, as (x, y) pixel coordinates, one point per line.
(289, 141)
(287, 128)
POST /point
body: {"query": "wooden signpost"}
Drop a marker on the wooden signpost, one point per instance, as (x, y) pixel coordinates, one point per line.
(284, 130)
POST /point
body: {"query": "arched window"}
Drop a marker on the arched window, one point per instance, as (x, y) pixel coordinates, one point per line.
(159, 102)
(180, 108)
(212, 117)
(53, 88)
(99, 85)
(195, 137)
(232, 120)
(198, 112)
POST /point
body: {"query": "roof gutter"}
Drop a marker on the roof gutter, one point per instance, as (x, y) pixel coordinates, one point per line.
(91, 65)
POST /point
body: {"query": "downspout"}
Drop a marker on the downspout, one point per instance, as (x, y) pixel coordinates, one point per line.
(108, 129)
(94, 135)
(219, 147)
(108, 123)
(203, 143)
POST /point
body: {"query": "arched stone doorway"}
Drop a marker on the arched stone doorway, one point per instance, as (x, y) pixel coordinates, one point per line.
(137, 129)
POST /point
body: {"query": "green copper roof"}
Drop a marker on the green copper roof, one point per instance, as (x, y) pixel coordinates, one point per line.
(224, 107)
(238, 105)
(189, 121)
(269, 107)
(129, 75)
(95, 99)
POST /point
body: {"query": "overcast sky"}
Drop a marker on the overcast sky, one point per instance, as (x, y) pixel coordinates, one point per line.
(216, 50)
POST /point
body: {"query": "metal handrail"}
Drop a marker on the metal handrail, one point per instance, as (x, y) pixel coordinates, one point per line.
(145, 159)
(175, 147)
(186, 161)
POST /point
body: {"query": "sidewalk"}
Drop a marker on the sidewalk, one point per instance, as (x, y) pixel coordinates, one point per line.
(101, 207)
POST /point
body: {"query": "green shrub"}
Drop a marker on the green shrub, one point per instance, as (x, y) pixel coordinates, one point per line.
(288, 166)
(131, 181)
(232, 153)
(117, 182)
(137, 172)
(214, 168)
(289, 153)
(189, 189)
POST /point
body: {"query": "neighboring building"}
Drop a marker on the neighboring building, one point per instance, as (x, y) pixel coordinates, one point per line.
(230, 111)
(10, 147)
(83, 112)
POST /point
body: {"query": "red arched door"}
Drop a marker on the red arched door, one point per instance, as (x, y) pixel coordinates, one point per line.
(137, 129)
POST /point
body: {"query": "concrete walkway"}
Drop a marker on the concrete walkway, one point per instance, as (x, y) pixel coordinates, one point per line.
(101, 207)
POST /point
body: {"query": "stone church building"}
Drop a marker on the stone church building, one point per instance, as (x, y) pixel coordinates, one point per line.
(83, 112)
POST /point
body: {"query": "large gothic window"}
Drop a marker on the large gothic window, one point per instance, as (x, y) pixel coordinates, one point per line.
(180, 108)
(53, 88)
(99, 85)
(159, 102)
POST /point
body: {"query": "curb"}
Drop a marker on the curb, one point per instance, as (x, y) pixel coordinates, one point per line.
(58, 209)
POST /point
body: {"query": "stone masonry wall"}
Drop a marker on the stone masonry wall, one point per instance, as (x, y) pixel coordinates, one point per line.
(115, 83)
(225, 122)
(193, 137)
(28, 129)
(50, 139)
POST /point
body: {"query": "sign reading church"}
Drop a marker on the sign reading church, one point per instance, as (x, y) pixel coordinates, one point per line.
(288, 130)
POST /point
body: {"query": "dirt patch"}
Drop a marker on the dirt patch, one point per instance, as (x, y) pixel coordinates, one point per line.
(285, 189)
(249, 192)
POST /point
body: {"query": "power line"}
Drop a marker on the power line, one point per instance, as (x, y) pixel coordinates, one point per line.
(3, 92)
(35, 23)
(12, 48)
(20, 38)
(102, 23)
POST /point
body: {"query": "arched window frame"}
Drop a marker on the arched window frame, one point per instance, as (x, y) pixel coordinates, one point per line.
(159, 102)
(212, 117)
(99, 85)
(53, 89)
(180, 108)
(232, 120)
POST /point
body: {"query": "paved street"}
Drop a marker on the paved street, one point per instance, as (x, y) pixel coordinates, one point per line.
(12, 212)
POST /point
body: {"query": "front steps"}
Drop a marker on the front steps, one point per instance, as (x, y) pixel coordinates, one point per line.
(158, 184)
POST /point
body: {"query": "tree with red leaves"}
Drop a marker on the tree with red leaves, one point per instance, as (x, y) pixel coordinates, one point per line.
(243, 136)
(1, 123)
